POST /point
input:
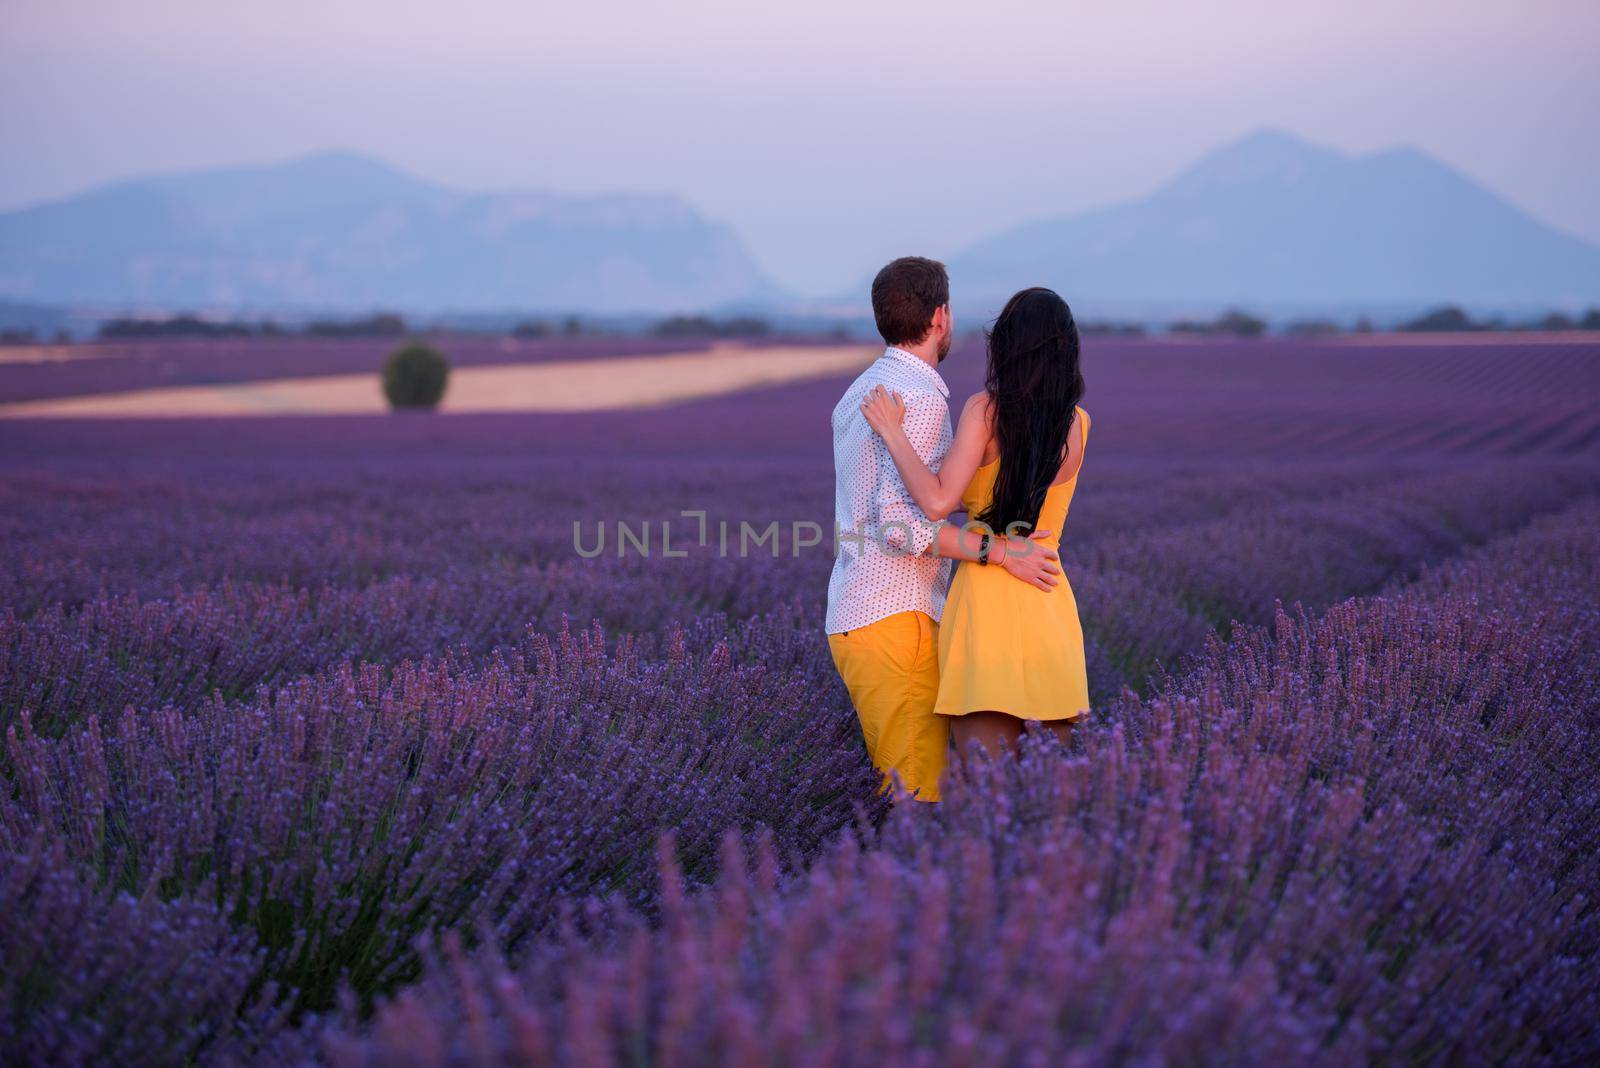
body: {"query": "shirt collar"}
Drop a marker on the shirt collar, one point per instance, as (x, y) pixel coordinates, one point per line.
(894, 352)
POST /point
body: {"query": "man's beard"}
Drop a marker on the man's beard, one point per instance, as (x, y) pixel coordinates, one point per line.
(944, 347)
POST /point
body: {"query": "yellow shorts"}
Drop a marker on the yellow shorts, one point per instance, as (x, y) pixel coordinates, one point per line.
(891, 669)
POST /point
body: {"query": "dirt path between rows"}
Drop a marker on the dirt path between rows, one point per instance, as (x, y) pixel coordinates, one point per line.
(561, 386)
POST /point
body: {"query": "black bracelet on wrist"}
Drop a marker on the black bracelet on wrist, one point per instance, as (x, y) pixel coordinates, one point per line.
(983, 551)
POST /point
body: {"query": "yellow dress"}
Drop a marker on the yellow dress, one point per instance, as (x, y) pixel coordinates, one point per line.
(1006, 646)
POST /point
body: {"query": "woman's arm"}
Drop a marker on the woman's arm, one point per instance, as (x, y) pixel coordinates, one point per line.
(936, 493)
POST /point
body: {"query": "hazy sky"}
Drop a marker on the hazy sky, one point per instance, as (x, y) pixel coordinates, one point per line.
(832, 133)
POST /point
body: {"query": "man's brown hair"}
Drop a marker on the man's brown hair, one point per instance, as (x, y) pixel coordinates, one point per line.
(905, 295)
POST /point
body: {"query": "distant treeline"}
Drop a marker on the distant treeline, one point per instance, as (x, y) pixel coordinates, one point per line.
(571, 326)
(392, 325)
(381, 325)
(740, 326)
(29, 336)
(1235, 323)
(1451, 318)
(701, 326)
(1107, 328)
(1231, 323)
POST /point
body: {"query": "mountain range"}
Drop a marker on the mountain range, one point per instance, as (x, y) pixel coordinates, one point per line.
(1272, 219)
(342, 231)
(1268, 220)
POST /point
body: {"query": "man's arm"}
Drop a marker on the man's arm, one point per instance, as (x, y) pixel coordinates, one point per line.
(937, 493)
(906, 529)
(904, 526)
(1025, 559)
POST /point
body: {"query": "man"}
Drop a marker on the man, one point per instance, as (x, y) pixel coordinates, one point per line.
(891, 566)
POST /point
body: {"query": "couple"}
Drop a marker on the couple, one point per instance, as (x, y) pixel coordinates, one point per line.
(1009, 649)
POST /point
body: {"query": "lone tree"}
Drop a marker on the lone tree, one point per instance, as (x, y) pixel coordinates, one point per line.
(1447, 318)
(414, 376)
(1241, 324)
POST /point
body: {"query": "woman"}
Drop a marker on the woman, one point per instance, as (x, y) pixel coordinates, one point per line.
(1009, 652)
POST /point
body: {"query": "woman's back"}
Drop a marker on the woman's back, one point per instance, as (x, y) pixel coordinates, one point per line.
(1057, 500)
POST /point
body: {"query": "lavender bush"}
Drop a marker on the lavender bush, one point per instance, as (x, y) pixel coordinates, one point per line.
(90, 978)
(344, 815)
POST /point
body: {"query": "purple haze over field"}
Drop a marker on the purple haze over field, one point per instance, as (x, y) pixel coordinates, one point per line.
(322, 745)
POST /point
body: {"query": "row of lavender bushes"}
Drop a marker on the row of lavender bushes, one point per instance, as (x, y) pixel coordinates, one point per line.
(1365, 837)
(349, 524)
(1149, 595)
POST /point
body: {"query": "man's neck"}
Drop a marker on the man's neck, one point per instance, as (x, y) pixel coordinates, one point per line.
(926, 351)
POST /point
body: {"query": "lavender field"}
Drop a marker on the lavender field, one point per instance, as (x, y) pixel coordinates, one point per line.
(323, 744)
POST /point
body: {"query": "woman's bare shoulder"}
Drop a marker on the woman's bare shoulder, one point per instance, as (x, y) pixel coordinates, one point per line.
(978, 414)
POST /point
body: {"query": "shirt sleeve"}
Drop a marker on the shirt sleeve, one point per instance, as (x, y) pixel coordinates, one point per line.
(905, 528)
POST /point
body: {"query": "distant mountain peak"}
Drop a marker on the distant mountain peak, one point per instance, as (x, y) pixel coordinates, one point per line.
(1409, 153)
(1273, 219)
(330, 165)
(1266, 155)
(1274, 140)
(342, 162)
(340, 157)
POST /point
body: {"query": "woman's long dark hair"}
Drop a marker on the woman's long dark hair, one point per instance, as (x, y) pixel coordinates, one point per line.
(1035, 384)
